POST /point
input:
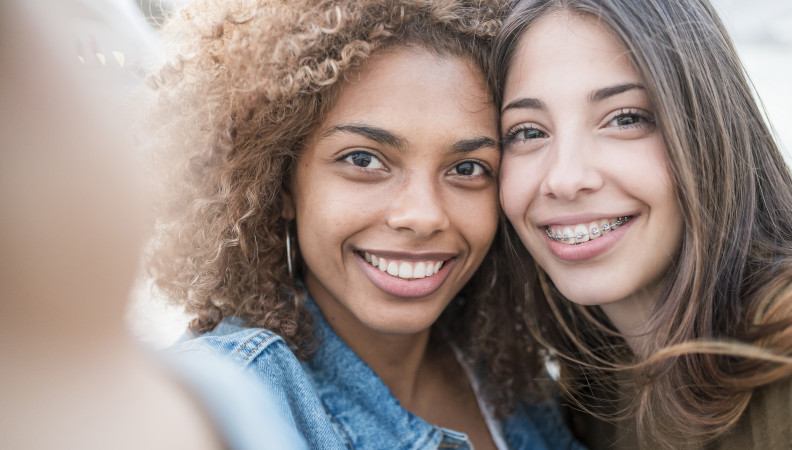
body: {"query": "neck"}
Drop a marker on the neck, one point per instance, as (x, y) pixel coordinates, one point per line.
(401, 360)
(631, 317)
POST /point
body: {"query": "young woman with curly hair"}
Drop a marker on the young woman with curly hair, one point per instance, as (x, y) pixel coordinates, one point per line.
(332, 200)
(657, 209)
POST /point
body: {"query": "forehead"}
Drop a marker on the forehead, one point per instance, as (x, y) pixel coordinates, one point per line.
(407, 81)
(570, 50)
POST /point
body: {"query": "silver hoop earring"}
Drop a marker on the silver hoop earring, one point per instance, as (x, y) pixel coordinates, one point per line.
(289, 262)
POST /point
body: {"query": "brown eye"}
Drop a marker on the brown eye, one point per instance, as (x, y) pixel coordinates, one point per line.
(469, 169)
(466, 168)
(363, 160)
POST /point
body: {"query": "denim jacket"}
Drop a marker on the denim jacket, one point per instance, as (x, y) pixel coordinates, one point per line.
(336, 401)
(241, 411)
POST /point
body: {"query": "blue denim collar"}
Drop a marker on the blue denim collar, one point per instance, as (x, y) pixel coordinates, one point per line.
(353, 394)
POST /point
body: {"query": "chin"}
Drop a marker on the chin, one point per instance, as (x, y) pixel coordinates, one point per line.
(406, 323)
(588, 295)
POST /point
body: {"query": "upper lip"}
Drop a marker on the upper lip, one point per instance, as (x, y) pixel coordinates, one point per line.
(581, 218)
(410, 256)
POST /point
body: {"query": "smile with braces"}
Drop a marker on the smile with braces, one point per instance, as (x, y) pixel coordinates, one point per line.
(578, 236)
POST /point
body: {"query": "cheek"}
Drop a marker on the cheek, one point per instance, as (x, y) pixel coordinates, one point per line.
(657, 164)
(327, 204)
(330, 220)
(516, 189)
(475, 215)
(669, 213)
(319, 229)
(652, 180)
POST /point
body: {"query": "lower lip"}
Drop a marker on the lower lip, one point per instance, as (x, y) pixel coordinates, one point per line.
(589, 249)
(399, 287)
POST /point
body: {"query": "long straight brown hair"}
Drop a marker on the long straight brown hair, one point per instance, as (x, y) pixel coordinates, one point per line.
(722, 326)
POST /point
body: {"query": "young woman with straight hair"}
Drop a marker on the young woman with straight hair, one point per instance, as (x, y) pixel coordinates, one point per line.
(656, 209)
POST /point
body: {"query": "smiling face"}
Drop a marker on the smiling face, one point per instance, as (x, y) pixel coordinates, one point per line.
(584, 178)
(395, 197)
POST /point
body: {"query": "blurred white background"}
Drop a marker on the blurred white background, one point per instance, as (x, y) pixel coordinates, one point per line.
(761, 30)
(762, 33)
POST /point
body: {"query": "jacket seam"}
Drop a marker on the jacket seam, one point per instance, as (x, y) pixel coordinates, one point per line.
(242, 346)
(426, 439)
(340, 427)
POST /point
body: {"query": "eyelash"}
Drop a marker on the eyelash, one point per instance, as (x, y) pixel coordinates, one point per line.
(345, 159)
(511, 135)
(486, 171)
(645, 119)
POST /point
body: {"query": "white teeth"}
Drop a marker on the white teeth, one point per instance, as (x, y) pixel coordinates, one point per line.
(419, 271)
(581, 233)
(404, 269)
(431, 269)
(594, 230)
(393, 268)
(604, 227)
(568, 234)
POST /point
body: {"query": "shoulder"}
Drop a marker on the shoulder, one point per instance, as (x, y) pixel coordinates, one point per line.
(258, 351)
(266, 357)
(242, 410)
(244, 346)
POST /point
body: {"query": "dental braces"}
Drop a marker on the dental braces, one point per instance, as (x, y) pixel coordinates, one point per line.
(619, 222)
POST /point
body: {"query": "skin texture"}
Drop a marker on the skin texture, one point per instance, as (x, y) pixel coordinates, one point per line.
(432, 196)
(571, 158)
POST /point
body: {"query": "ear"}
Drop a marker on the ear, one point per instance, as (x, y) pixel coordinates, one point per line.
(287, 202)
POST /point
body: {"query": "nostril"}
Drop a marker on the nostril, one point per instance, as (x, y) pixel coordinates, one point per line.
(421, 211)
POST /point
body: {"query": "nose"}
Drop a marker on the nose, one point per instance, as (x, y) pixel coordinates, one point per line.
(571, 170)
(418, 207)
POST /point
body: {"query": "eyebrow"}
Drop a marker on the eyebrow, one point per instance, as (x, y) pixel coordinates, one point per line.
(606, 92)
(524, 103)
(471, 145)
(596, 96)
(375, 134)
(385, 137)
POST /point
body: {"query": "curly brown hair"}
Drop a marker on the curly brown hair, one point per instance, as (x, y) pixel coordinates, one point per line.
(249, 86)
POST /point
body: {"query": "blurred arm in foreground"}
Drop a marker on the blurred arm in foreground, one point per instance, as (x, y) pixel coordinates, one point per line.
(72, 220)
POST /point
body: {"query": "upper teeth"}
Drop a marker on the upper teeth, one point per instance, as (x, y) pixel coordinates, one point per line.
(584, 232)
(404, 269)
